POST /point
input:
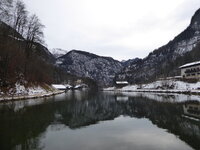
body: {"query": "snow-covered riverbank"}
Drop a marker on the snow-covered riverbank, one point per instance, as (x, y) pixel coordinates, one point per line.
(163, 86)
(9, 98)
(21, 92)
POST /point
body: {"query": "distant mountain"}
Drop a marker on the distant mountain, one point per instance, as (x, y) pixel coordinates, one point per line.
(127, 63)
(25, 60)
(84, 64)
(164, 61)
(57, 52)
(15, 67)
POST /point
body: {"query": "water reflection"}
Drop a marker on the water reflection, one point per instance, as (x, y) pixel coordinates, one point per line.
(192, 109)
(43, 123)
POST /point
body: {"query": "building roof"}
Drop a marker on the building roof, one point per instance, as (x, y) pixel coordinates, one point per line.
(121, 82)
(190, 64)
(58, 86)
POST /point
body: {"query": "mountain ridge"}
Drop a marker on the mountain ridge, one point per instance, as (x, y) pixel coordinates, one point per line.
(157, 63)
(84, 64)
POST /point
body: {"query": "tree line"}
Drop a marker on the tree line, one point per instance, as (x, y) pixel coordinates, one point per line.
(20, 33)
(23, 58)
(15, 14)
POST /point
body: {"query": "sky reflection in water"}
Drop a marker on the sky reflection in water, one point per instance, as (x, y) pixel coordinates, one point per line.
(86, 120)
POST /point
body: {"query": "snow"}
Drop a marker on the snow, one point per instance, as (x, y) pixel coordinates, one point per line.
(19, 90)
(121, 82)
(109, 89)
(83, 64)
(175, 85)
(190, 64)
(57, 52)
(58, 86)
(68, 86)
(131, 87)
(36, 90)
(186, 45)
(172, 86)
(81, 86)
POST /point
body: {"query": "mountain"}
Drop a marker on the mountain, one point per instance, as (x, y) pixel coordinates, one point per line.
(127, 63)
(43, 52)
(24, 59)
(57, 52)
(165, 60)
(84, 64)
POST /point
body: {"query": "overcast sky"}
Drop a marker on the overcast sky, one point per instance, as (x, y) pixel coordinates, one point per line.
(122, 29)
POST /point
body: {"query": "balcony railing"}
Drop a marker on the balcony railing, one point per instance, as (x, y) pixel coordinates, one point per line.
(192, 70)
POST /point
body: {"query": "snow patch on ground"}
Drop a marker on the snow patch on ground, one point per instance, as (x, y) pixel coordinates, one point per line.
(162, 86)
(172, 85)
(21, 90)
(36, 90)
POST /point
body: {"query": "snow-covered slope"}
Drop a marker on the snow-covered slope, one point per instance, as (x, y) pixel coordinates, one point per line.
(22, 90)
(57, 52)
(161, 86)
(165, 60)
(84, 64)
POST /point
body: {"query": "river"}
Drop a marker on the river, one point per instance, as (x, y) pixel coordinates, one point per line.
(86, 120)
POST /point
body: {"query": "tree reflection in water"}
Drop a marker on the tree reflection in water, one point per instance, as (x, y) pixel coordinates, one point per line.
(24, 123)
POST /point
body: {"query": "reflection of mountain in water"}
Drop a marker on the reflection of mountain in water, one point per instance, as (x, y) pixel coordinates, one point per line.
(83, 109)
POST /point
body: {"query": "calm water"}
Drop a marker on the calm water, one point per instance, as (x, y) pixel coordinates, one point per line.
(101, 121)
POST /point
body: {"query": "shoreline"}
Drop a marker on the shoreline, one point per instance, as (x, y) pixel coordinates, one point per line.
(25, 97)
(191, 92)
(161, 86)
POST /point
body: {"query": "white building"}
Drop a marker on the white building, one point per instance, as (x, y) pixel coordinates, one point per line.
(191, 70)
(59, 86)
(121, 84)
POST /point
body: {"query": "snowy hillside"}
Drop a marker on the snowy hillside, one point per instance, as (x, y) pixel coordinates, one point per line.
(22, 90)
(161, 86)
(84, 64)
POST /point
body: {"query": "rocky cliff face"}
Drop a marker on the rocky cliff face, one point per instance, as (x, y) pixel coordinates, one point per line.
(160, 62)
(84, 64)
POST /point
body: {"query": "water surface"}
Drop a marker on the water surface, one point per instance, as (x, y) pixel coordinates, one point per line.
(99, 121)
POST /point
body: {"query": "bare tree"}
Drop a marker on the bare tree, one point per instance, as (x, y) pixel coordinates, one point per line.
(34, 35)
(5, 10)
(34, 30)
(20, 16)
